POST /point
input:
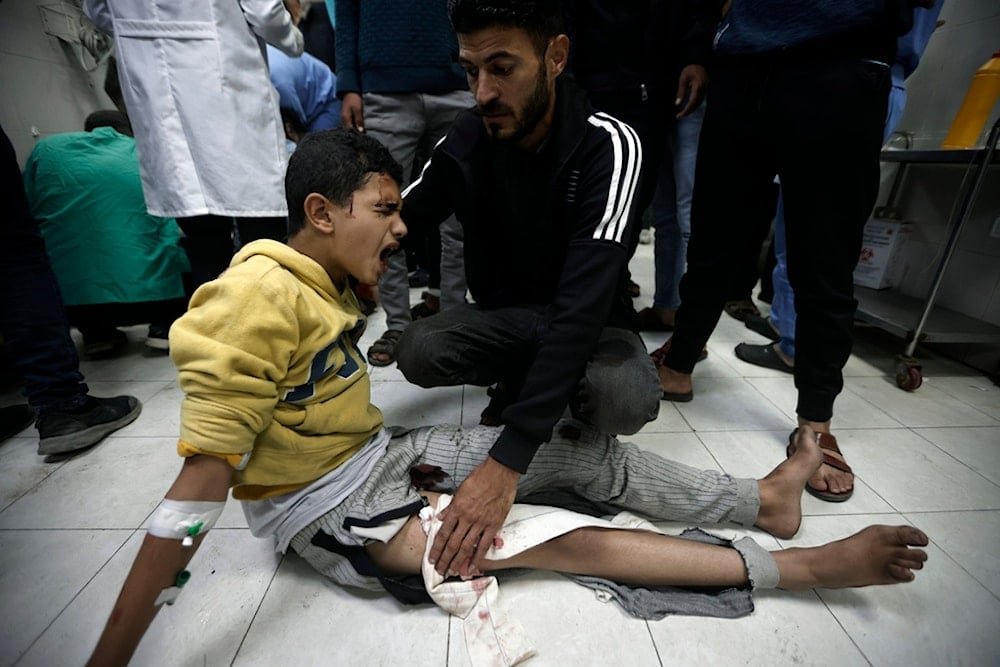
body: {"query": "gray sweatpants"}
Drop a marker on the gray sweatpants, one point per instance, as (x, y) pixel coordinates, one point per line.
(402, 122)
(598, 468)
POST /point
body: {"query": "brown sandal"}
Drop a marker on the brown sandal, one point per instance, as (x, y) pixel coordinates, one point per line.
(831, 457)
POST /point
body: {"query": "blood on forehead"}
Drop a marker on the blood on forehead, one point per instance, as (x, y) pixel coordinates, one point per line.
(388, 194)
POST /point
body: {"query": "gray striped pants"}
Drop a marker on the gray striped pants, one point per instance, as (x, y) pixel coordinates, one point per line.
(606, 474)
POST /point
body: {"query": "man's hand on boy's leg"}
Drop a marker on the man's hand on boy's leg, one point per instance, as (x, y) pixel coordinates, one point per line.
(474, 517)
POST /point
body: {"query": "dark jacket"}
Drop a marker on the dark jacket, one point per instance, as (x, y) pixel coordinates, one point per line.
(543, 229)
(620, 45)
(854, 28)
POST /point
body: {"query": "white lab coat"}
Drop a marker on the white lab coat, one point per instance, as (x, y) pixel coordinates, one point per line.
(194, 77)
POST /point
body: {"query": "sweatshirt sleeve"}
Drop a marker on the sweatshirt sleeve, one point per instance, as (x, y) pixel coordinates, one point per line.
(232, 349)
(271, 22)
(595, 261)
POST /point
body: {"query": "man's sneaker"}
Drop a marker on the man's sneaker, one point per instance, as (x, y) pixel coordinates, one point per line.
(158, 337)
(70, 430)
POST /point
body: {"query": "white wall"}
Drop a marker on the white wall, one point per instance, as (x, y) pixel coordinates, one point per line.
(43, 87)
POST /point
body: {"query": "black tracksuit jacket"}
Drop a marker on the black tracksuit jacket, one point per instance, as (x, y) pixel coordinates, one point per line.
(547, 229)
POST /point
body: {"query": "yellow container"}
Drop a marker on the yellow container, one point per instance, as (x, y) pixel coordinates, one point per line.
(976, 107)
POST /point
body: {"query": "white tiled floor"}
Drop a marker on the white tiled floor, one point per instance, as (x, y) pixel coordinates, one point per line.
(68, 532)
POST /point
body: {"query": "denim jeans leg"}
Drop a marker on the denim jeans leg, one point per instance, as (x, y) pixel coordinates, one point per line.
(783, 303)
(686, 133)
(32, 316)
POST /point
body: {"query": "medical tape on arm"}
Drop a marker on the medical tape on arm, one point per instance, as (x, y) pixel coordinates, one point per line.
(184, 519)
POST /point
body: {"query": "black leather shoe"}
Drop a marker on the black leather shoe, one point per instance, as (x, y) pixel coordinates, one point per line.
(764, 356)
(763, 326)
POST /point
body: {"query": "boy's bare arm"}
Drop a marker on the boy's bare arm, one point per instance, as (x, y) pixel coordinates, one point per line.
(158, 563)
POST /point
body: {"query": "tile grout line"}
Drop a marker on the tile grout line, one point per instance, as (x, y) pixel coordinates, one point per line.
(76, 595)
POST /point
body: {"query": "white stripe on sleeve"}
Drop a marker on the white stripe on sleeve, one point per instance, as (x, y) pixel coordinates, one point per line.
(624, 176)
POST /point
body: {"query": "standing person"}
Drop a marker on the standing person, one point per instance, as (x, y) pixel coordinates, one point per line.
(779, 325)
(544, 188)
(307, 455)
(645, 64)
(670, 213)
(85, 192)
(211, 142)
(399, 80)
(34, 328)
(815, 74)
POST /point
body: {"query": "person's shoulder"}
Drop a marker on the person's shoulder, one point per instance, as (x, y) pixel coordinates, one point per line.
(56, 150)
(59, 140)
(465, 134)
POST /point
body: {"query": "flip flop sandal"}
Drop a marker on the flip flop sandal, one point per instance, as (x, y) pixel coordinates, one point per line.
(831, 457)
(660, 353)
(385, 345)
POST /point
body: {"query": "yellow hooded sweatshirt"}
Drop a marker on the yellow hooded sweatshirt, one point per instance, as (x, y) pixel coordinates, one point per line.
(272, 377)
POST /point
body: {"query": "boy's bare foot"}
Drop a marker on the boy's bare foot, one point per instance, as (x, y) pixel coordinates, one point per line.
(781, 491)
(877, 555)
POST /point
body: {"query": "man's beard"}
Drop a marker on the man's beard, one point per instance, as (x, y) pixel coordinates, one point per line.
(531, 115)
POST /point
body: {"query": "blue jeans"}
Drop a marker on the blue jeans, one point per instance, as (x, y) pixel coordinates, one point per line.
(32, 317)
(783, 304)
(672, 209)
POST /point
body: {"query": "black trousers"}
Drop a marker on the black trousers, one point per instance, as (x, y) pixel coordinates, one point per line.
(816, 122)
(210, 241)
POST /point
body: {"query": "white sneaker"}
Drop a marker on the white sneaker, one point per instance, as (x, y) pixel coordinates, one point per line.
(646, 236)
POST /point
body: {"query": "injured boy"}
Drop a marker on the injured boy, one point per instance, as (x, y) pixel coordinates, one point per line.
(277, 408)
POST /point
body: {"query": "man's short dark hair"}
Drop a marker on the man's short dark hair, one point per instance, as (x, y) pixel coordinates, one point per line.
(108, 118)
(335, 164)
(541, 19)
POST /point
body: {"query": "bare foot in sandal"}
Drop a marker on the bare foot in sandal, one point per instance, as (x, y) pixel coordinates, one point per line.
(877, 555)
(383, 351)
(834, 481)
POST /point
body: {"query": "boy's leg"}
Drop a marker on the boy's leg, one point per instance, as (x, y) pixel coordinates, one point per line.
(617, 476)
(876, 555)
